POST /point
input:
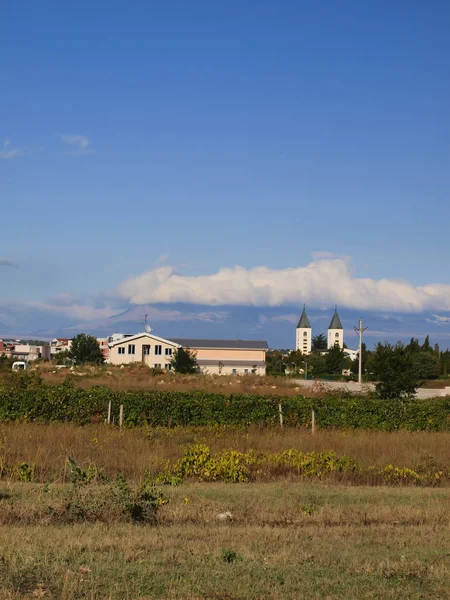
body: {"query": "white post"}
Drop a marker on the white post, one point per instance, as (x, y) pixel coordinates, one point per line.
(360, 330)
(121, 415)
(109, 412)
(313, 422)
(280, 412)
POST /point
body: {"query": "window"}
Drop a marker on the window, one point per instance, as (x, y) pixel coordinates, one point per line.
(168, 351)
(305, 334)
(168, 367)
(121, 350)
(131, 349)
(336, 335)
(157, 366)
(245, 371)
(158, 349)
(234, 371)
(146, 349)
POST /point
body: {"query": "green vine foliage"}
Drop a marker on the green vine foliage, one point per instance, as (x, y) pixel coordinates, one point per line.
(35, 401)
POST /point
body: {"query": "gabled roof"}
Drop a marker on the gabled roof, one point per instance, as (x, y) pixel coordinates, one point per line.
(335, 322)
(222, 344)
(304, 321)
(150, 336)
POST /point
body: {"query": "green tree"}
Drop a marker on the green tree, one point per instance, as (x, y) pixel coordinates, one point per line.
(395, 371)
(184, 361)
(413, 345)
(85, 349)
(275, 361)
(426, 364)
(316, 364)
(6, 362)
(426, 344)
(334, 360)
(319, 342)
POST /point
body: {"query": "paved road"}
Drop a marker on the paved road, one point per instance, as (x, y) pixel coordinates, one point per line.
(352, 386)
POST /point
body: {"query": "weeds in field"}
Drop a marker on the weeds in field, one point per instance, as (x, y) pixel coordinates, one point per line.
(93, 498)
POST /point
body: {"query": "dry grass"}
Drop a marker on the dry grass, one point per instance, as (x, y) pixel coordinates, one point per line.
(131, 452)
(139, 377)
(289, 542)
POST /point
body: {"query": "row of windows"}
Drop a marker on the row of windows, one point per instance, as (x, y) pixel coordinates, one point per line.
(246, 371)
(145, 349)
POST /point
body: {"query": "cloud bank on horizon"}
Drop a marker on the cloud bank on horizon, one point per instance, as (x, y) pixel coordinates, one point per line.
(325, 281)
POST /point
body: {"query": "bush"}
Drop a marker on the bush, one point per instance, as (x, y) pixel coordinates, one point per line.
(35, 401)
(94, 498)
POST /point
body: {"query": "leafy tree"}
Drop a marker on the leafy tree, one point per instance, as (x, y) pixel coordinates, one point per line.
(63, 358)
(426, 364)
(436, 350)
(316, 364)
(426, 344)
(413, 345)
(334, 360)
(395, 371)
(6, 362)
(319, 342)
(85, 349)
(184, 361)
(275, 362)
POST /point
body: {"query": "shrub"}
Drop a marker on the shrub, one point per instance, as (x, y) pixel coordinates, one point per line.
(94, 498)
(34, 401)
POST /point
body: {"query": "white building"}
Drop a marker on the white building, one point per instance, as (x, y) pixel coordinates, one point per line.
(219, 357)
(58, 345)
(303, 339)
(335, 332)
(145, 348)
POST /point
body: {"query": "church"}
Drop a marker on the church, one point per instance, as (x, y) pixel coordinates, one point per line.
(304, 333)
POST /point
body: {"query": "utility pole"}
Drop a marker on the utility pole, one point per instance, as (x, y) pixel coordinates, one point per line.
(360, 330)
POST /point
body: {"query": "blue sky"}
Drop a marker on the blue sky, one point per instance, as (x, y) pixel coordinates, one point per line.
(204, 135)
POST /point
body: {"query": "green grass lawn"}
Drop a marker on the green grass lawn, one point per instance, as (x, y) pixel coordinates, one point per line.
(289, 541)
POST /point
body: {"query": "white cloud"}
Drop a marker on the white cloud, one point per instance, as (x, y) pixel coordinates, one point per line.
(322, 283)
(78, 144)
(9, 152)
(439, 320)
(4, 262)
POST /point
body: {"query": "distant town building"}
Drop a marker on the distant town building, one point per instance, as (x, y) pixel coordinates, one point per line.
(58, 345)
(335, 332)
(303, 340)
(221, 357)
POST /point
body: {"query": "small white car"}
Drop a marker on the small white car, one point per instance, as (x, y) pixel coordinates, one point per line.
(20, 365)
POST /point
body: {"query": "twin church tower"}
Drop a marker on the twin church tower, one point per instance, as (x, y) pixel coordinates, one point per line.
(304, 333)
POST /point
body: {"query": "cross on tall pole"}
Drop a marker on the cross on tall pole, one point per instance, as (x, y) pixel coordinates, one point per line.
(360, 330)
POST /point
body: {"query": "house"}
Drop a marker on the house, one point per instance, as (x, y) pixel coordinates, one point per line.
(58, 345)
(104, 347)
(30, 352)
(228, 357)
(222, 357)
(146, 348)
(25, 352)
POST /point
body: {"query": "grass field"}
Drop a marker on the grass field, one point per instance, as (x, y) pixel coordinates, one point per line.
(132, 452)
(288, 537)
(290, 541)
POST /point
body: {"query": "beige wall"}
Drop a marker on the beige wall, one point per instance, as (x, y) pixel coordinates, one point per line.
(235, 354)
(228, 370)
(151, 359)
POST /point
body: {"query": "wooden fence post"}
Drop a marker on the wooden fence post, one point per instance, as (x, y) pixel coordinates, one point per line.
(280, 412)
(109, 412)
(313, 422)
(121, 415)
